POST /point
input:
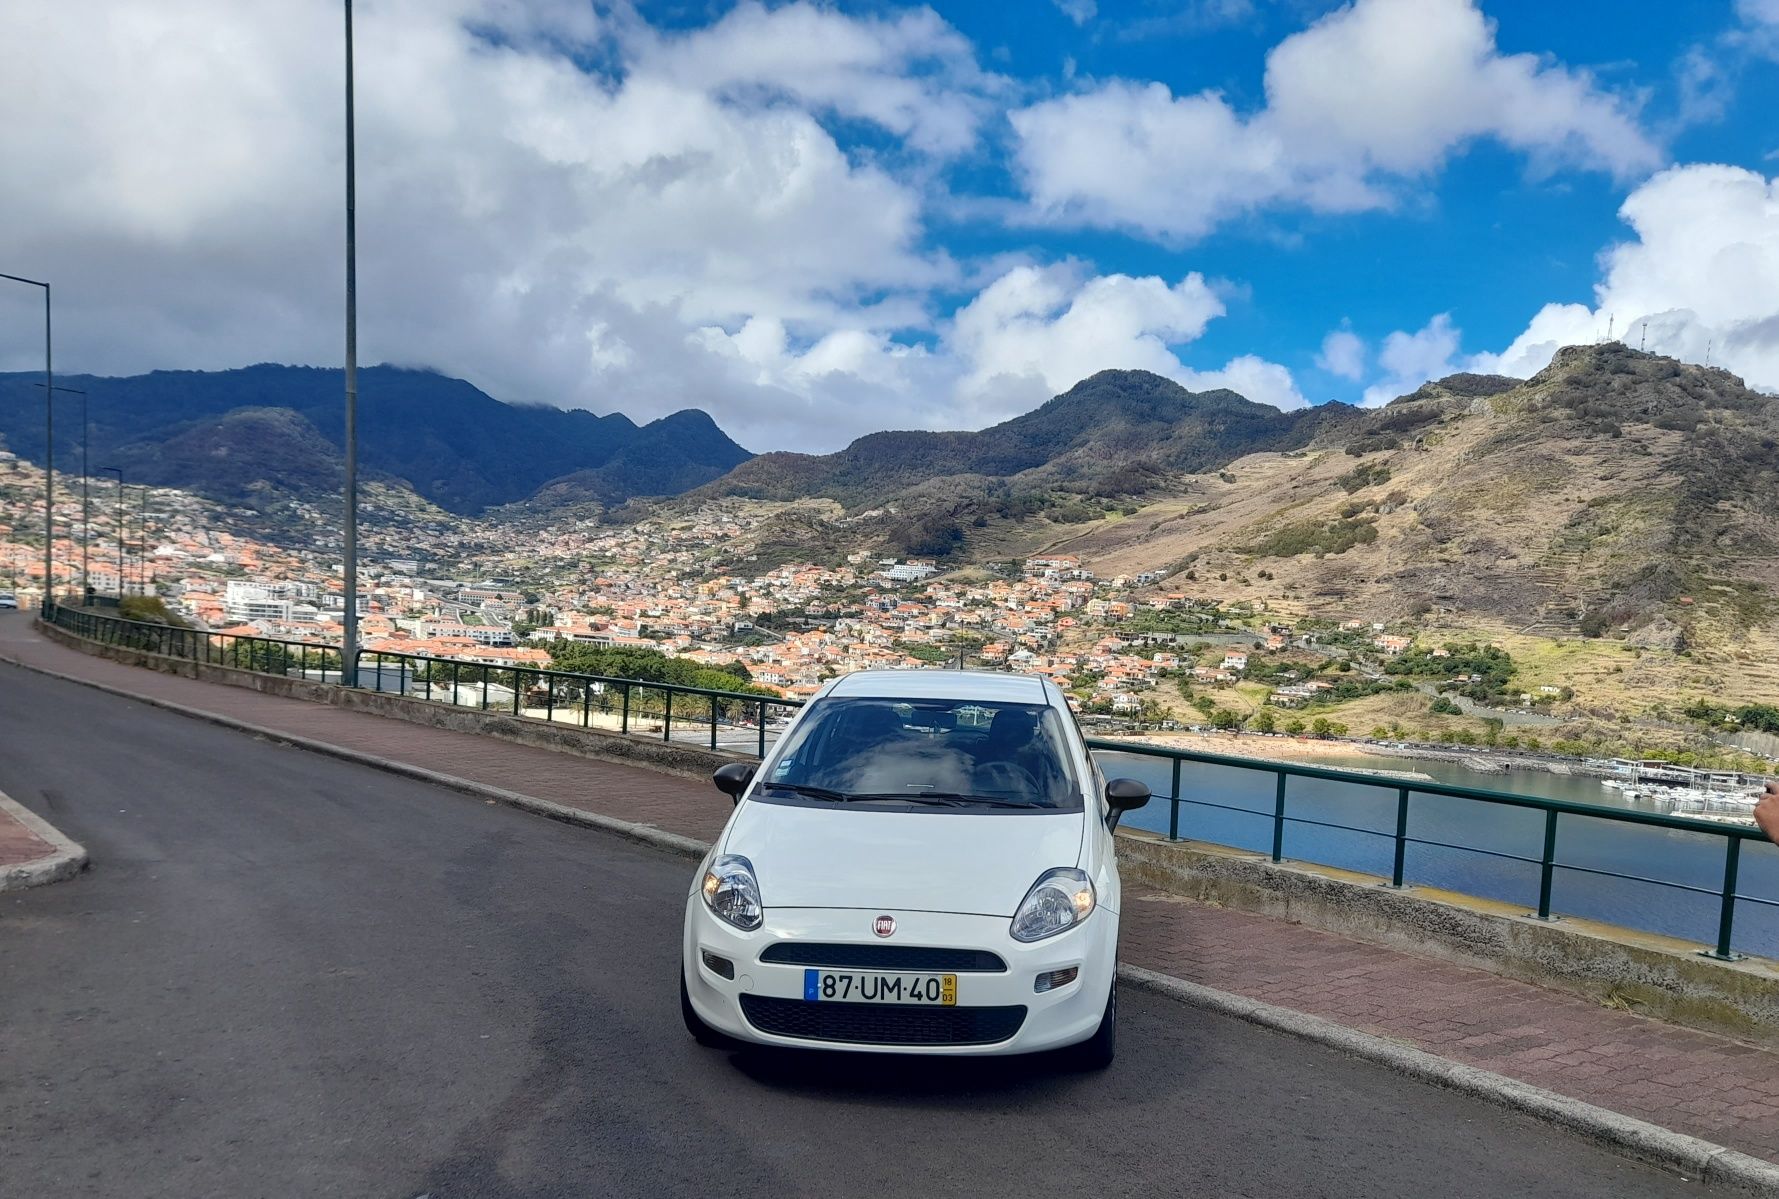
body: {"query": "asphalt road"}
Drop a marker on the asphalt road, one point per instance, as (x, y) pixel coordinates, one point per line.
(289, 975)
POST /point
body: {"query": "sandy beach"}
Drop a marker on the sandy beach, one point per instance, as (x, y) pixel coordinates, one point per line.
(1283, 749)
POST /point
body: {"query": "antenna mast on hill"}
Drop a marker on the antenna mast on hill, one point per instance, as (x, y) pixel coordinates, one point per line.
(1708, 346)
(1609, 321)
(1643, 337)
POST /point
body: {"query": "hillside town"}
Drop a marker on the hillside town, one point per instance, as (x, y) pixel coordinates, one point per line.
(460, 590)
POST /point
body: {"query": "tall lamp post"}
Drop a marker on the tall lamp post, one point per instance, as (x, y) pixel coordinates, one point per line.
(112, 470)
(349, 648)
(49, 448)
(86, 503)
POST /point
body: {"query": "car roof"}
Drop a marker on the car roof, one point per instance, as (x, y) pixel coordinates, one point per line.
(983, 686)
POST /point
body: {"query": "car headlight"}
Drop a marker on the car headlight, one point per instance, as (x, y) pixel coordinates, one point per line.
(733, 893)
(1059, 900)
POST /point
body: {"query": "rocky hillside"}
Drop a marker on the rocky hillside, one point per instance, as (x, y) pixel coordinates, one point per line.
(1615, 498)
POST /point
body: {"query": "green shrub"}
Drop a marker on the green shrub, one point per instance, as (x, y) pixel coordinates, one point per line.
(1317, 537)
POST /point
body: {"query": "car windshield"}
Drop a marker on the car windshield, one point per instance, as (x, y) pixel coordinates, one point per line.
(934, 754)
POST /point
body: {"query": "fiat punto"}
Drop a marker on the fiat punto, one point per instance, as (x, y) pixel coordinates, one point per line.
(922, 864)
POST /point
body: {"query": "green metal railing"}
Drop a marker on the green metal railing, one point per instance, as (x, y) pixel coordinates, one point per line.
(561, 695)
(640, 704)
(1547, 861)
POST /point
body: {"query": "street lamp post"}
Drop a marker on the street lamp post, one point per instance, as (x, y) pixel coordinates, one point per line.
(49, 448)
(349, 647)
(86, 505)
(112, 470)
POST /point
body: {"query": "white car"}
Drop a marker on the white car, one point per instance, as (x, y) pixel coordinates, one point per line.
(923, 864)
(8, 600)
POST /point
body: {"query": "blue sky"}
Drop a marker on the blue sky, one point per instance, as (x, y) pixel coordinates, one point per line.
(815, 220)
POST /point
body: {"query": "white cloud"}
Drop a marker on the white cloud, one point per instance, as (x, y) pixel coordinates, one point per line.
(912, 75)
(1702, 272)
(1759, 12)
(1410, 359)
(1037, 331)
(1078, 11)
(1343, 354)
(1050, 326)
(1372, 95)
(1254, 378)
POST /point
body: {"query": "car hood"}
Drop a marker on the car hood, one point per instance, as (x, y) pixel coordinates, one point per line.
(913, 862)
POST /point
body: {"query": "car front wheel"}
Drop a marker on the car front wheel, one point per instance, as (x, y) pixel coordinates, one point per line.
(1097, 1051)
(701, 1032)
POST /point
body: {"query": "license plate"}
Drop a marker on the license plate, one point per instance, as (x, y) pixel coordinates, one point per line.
(845, 986)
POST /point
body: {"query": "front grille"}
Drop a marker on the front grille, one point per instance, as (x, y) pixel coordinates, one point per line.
(883, 957)
(881, 1024)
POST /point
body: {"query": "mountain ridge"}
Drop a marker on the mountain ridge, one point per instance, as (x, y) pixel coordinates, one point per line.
(447, 440)
(1114, 421)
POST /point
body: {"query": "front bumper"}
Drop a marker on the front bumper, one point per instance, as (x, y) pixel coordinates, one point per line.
(978, 1024)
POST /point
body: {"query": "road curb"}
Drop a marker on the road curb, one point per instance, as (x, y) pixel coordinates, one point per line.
(647, 834)
(1699, 1159)
(1639, 1139)
(68, 860)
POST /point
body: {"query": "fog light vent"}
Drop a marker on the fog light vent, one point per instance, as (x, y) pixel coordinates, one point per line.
(722, 966)
(1055, 979)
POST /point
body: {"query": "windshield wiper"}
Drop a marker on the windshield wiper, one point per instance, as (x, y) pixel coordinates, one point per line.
(811, 792)
(946, 799)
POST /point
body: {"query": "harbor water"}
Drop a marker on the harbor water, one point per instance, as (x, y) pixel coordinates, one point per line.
(1677, 875)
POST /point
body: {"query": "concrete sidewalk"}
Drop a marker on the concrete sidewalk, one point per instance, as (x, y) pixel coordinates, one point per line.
(1707, 1086)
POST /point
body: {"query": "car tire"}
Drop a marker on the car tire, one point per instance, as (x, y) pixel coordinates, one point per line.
(701, 1032)
(1097, 1051)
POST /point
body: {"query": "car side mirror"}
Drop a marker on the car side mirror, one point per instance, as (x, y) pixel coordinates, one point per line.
(1124, 795)
(732, 778)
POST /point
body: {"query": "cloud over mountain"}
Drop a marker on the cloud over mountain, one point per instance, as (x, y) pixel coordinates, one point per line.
(810, 222)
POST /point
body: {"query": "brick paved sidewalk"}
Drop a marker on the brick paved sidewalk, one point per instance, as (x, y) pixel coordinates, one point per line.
(18, 844)
(1693, 1082)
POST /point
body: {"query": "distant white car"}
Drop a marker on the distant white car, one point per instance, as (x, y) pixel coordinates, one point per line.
(8, 600)
(923, 864)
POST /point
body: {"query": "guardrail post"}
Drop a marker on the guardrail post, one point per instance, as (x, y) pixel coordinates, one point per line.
(666, 715)
(624, 716)
(517, 685)
(586, 704)
(549, 698)
(1726, 919)
(454, 680)
(1173, 804)
(484, 688)
(713, 722)
(1401, 836)
(762, 729)
(1547, 864)
(1278, 820)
